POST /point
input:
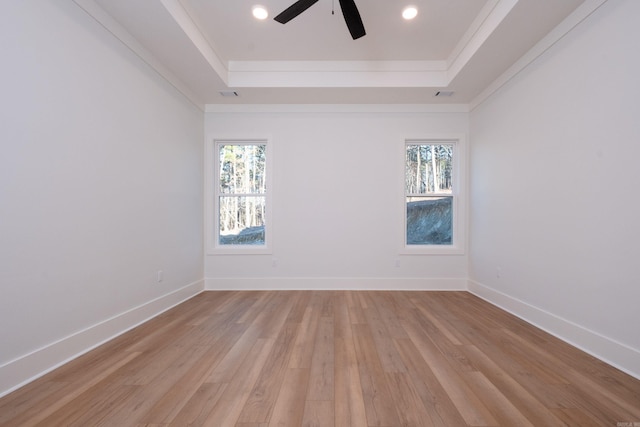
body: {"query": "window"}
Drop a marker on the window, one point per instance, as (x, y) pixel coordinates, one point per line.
(430, 195)
(240, 195)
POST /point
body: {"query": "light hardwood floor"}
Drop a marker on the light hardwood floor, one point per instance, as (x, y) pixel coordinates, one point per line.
(330, 358)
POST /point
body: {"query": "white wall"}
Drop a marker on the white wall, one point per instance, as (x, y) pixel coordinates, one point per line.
(554, 179)
(337, 201)
(100, 187)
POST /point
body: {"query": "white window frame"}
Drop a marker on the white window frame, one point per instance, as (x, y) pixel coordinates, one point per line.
(212, 189)
(459, 191)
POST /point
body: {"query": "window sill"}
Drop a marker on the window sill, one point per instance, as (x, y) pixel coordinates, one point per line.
(431, 250)
(239, 250)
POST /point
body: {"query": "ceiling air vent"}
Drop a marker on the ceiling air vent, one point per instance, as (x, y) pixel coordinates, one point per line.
(444, 93)
(228, 93)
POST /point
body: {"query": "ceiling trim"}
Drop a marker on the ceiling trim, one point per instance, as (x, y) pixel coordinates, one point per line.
(337, 108)
(191, 30)
(338, 74)
(346, 66)
(488, 20)
(581, 13)
(91, 8)
(338, 79)
(309, 74)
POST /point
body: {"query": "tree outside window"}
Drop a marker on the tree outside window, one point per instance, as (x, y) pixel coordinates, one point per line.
(429, 193)
(241, 194)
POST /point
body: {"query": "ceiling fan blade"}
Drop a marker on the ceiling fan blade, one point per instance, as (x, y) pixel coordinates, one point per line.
(352, 18)
(294, 10)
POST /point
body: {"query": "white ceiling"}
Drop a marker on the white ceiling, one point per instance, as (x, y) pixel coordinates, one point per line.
(205, 47)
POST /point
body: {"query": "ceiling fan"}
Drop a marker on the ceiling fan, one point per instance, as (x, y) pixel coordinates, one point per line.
(349, 11)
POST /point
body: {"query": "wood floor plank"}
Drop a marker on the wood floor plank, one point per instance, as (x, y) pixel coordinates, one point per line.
(434, 397)
(387, 352)
(144, 397)
(440, 325)
(580, 380)
(518, 369)
(273, 317)
(500, 407)
(31, 396)
(199, 405)
(230, 363)
(532, 408)
(349, 400)
(378, 402)
(305, 340)
(158, 336)
(355, 307)
(389, 309)
(330, 358)
(454, 354)
(318, 413)
(440, 340)
(53, 403)
(473, 411)
(342, 318)
(572, 417)
(146, 369)
(328, 300)
(227, 409)
(409, 405)
(171, 403)
(322, 373)
(257, 302)
(289, 407)
(263, 396)
(91, 409)
(581, 400)
(301, 301)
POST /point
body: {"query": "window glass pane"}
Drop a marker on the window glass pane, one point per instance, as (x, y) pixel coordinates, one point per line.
(242, 169)
(428, 168)
(241, 220)
(429, 220)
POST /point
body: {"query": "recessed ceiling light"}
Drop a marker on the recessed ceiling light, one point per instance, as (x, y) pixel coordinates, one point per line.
(409, 12)
(260, 12)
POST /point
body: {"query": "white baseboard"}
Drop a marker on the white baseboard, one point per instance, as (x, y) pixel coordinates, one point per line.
(616, 354)
(335, 283)
(29, 367)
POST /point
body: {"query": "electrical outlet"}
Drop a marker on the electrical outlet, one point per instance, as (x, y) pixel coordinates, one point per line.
(160, 276)
(498, 272)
